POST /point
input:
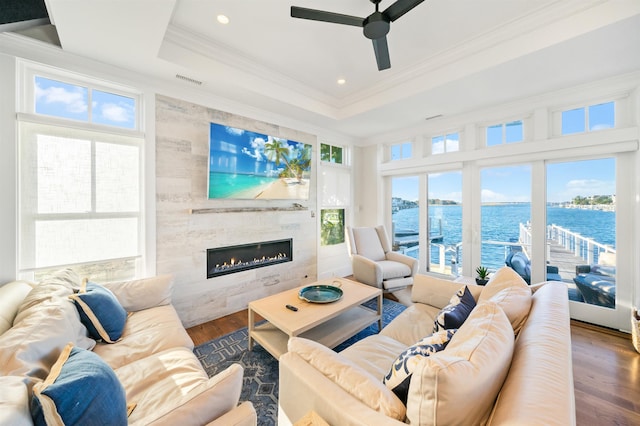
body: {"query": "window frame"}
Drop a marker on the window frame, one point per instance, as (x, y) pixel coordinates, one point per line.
(96, 133)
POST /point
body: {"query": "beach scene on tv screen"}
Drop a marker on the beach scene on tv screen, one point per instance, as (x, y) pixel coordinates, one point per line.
(250, 165)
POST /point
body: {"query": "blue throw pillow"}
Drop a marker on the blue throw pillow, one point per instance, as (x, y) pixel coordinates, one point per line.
(81, 389)
(100, 312)
(456, 312)
(399, 376)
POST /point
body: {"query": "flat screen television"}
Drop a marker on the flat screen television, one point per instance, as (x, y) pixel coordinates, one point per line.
(250, 165)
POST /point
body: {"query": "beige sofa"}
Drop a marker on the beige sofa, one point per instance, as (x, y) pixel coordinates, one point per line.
(153, 359)
(508, 364)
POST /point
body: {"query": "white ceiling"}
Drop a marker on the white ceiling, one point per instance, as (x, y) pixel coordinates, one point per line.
(447, 56)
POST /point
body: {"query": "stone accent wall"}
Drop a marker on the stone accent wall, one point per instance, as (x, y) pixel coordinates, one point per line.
(182, 152)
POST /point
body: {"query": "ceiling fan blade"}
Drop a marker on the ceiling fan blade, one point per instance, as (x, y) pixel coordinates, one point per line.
(381, 50)
(399, 8)
(320, 15)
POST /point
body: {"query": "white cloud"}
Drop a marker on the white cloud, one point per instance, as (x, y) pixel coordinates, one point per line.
(234, 131)
(116, 113)
(257, 145)
(74, 100)
(489, 196)
(437, 147)
(589, 187)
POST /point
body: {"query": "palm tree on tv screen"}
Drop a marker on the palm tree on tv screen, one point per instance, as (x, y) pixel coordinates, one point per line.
(278, 151)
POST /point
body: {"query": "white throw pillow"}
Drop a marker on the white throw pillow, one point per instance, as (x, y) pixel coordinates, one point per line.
(511, 293)
(459, 385)
(350, 377)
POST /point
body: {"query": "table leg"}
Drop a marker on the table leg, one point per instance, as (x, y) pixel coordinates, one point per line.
(251, 324)
(380, 312)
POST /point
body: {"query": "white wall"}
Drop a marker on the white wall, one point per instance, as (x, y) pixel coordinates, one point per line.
(8, 181)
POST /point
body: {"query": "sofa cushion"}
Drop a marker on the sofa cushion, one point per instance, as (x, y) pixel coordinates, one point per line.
(412, 324)
(100, 312)
(354, 380)
(144, 293)
(146, 332)
(459, 384)
(14, 401)
(170, 387)
(374, 354)
(399, 376)
(11, 297)
(80, 389)
(511, 293)
(33, 344)
(456, 312)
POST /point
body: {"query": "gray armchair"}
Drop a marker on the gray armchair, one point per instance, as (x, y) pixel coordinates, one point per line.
(375, 264)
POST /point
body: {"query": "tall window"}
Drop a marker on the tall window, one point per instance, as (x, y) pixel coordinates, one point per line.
(581, 228)
(80, 180)
(445, 143)
(445, 223)
(405, 215)
(505, 218)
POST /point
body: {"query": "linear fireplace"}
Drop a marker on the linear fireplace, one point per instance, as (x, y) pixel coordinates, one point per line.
(231, 259)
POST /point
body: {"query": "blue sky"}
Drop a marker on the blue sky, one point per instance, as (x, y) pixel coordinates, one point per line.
(235, 150)
(513, 184)
(65, 100)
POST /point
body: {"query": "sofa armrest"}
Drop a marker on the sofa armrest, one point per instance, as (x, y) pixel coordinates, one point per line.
(145, 293)
(403, 258)
(243, 415)
(303, 388)
(204, 403)
(366, 270)
(433, 291)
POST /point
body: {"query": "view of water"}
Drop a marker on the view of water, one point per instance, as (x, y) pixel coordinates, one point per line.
(231, 185)
(501, 223)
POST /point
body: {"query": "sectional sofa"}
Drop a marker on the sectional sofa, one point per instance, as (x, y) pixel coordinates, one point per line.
(46, 351)
(508, 363)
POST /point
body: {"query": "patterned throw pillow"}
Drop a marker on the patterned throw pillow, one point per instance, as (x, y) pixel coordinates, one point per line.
(399, 376)
(456, 312)
(100, 312)
(81, 389)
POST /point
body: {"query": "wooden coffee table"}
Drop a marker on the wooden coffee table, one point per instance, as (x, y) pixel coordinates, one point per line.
(326, 323)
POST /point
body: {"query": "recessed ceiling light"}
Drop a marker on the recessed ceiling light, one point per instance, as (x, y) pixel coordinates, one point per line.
(341, 81)
(223, 19)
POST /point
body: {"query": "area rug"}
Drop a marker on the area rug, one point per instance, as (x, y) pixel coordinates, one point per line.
(261, 369)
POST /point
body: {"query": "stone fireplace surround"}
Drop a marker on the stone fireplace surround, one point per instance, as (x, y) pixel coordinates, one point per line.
(183, 237)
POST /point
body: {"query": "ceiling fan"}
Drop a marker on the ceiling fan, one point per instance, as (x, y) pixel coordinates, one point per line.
(376, 26)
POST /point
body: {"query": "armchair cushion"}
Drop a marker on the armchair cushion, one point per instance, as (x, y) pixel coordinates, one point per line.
(367, 243)
(392, 269)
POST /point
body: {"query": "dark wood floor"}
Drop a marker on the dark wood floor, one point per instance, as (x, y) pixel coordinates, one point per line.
(606, 369)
